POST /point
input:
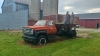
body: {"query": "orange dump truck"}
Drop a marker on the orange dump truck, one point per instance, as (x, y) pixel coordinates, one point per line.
(46, 29)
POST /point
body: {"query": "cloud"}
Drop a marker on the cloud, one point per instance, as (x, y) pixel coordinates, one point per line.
(94, 10)
(75, 13)
(78, 6)
(67, 7)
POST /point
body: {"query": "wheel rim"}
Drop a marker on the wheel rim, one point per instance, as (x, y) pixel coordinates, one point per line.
(42, 41)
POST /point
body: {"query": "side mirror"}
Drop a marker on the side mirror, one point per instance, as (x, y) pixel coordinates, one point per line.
(50, 23)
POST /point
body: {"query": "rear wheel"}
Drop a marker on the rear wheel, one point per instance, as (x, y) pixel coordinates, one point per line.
(72, 34)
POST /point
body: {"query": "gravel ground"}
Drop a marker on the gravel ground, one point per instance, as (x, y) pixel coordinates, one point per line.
(88, 29)
(83, 32)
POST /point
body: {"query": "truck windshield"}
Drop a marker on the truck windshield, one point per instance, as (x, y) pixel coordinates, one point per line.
(41, 23)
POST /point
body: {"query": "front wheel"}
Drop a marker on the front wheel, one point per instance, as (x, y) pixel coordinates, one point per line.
(42, 40)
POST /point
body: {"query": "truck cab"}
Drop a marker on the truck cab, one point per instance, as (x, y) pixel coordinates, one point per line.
(40, 33)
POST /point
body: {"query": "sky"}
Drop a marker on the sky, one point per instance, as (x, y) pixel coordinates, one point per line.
(76, 6)
(1, 1)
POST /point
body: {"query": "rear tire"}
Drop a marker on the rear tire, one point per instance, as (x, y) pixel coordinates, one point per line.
(72, 34)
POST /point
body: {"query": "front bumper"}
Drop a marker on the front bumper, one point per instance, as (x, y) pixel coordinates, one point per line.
(27, 38)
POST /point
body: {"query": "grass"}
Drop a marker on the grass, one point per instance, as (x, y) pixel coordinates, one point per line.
(11, 44)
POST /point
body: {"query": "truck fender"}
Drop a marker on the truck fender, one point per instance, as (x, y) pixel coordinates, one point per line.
(41, 33)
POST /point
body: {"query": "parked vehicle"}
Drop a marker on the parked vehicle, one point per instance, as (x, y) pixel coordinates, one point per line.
(46, 30)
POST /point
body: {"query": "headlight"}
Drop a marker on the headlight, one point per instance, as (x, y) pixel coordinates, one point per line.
(27, 30)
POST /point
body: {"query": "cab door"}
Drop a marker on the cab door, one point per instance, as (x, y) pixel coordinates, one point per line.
(52, 27)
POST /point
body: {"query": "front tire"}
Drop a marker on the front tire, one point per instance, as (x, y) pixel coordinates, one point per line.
(42, 40)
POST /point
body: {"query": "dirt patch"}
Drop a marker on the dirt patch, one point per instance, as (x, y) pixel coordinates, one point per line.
(11, 31)
(30, 44)
(14, 31)
(84, 35)
(88, 30)
(84, 32)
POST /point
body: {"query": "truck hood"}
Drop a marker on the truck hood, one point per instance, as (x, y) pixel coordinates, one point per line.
(36, 27)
